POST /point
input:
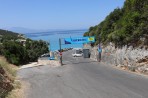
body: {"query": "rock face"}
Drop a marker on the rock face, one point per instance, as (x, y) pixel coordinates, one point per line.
(127, 57)
(94, 53)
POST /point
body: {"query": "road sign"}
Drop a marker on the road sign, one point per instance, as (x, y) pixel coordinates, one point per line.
(79, 40)
(60, 53)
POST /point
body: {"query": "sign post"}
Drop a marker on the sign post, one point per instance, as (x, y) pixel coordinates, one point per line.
(60, 52)
(99, 48)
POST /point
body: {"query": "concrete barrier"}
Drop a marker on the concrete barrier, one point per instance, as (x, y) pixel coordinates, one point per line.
(52, 63)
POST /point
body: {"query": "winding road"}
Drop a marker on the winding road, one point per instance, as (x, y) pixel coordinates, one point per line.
(82, 78)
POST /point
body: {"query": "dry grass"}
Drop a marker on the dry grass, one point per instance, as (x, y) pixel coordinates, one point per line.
(10, 71)
(9, 68)
(18, 92)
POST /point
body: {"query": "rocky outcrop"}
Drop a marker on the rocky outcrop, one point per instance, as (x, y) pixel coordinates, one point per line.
(142, 65)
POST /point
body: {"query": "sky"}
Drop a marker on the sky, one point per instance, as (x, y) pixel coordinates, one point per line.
(55, 14)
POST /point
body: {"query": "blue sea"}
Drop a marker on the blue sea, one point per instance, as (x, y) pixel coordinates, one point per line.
(53, 38)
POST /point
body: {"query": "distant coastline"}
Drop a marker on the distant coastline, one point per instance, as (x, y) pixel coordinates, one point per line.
(23, 30)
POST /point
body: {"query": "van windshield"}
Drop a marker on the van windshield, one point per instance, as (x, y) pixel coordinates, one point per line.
(78, 51)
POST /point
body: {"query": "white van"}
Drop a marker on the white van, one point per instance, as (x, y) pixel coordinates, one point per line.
(77, 52)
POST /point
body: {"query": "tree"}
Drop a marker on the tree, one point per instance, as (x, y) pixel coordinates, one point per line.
(14, 52)
(123, 26)
(36, 48)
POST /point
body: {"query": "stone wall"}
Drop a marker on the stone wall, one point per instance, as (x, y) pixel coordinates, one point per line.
(126, 57)
(52, 63)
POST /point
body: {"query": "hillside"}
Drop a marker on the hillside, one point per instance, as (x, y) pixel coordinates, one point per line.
(19, 50)
(124, 26)
(9, 35)
(5, 32)
(7, 77)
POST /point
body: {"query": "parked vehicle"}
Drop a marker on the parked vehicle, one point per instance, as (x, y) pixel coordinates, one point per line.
(77, 53)
(45, 55)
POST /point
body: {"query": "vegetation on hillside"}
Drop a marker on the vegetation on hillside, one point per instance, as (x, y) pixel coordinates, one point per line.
(35, 49)
(18, 52)
(6, 32)
(7, 77)
(124, 26)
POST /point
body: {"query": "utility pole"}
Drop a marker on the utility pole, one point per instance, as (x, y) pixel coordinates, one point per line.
(60, 52)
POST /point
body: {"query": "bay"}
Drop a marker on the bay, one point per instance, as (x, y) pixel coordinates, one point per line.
(53, 38)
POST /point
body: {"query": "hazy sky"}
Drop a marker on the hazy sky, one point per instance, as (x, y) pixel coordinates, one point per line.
(55, 14)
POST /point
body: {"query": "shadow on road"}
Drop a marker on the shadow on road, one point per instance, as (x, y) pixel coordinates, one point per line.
(78, 62)
(83, 62)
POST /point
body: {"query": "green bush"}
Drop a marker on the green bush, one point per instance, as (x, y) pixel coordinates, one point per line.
(18, 54)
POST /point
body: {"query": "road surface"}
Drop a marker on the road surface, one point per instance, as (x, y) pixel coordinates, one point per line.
(82, 78)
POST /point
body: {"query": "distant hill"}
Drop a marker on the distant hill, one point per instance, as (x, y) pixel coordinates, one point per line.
(124, 26)
(23, 30)
(26, 30)
(6, 32)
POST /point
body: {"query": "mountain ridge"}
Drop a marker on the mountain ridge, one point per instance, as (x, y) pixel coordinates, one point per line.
(23, 30)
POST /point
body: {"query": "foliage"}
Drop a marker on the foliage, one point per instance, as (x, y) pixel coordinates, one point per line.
(8, 33)
(123, 26)
(36, 49)
(17, 53)
(14, 52)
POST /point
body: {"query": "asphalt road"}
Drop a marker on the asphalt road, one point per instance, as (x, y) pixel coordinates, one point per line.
(82, 78)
